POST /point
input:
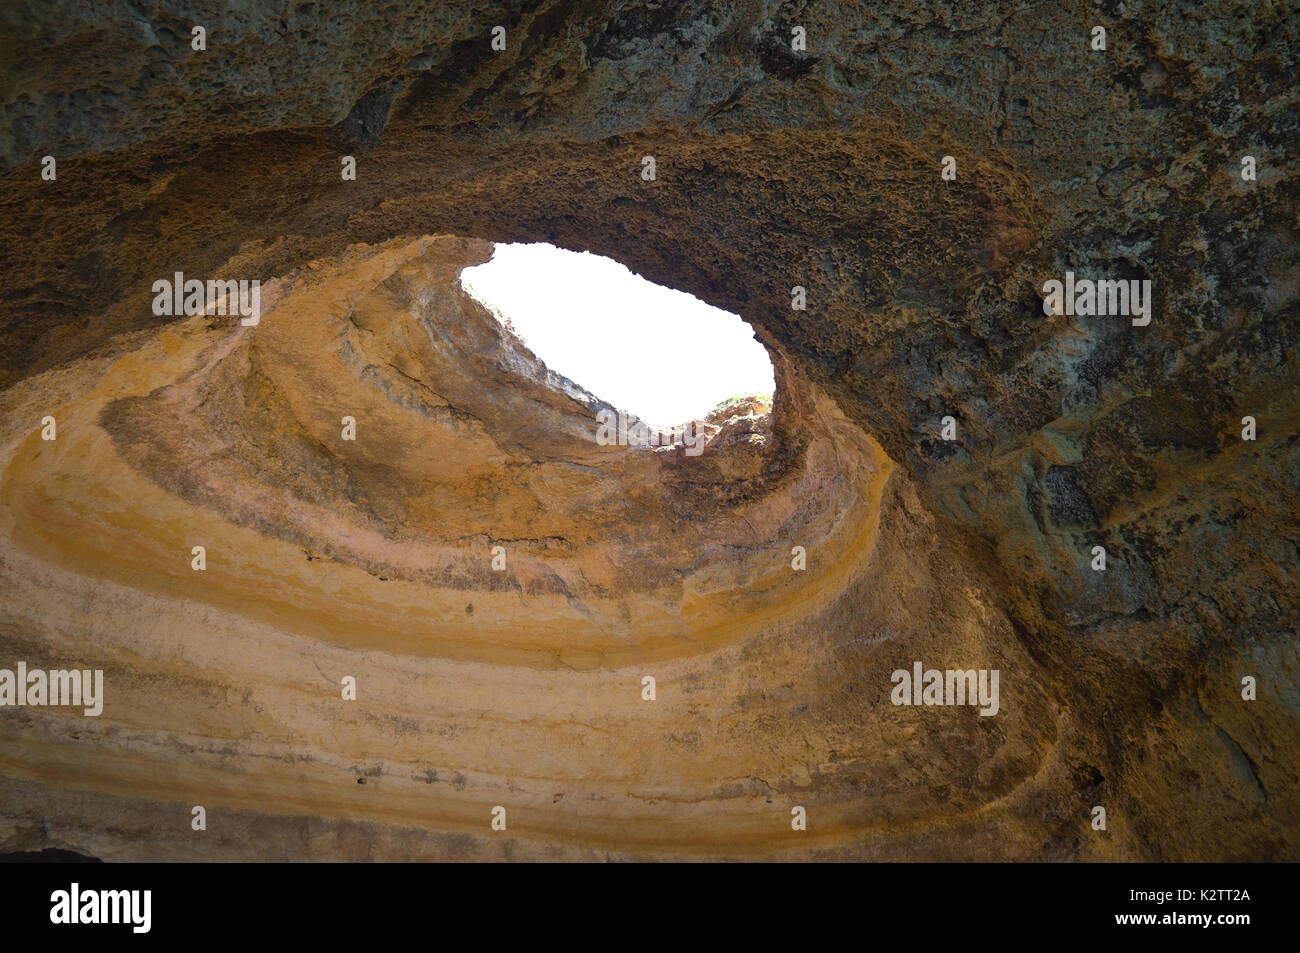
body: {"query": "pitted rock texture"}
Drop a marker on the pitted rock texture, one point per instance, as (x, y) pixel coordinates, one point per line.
(775, 168)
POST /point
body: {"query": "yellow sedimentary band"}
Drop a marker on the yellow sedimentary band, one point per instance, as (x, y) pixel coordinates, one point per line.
(370, 558)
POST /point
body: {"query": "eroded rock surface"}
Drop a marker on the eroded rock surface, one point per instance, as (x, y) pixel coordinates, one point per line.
(774, 168)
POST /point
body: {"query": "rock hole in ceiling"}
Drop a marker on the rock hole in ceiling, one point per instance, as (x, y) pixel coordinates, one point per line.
(658, 353)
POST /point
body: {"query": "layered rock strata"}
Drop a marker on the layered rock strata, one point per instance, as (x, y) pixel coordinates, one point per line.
(775, 168)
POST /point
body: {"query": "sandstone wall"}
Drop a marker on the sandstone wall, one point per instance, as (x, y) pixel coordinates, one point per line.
(774, 168)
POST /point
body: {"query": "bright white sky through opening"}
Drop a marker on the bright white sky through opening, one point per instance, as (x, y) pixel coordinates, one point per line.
(660, 354)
